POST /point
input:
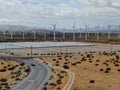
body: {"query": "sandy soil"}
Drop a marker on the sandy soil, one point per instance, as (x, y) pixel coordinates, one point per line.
(94, 71)
(54, 50)
(55, 76)
(102, 68)
(10, 73)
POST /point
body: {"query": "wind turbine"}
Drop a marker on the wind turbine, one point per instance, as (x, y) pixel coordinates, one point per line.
(80, 32)
(97, 28)
(74, 32)
(23, 34)
(54, 31)
(11, 34)
(4, 34)
(34, 32)
(63, 33)
(45, 35)
(109, 33)
(86, 33)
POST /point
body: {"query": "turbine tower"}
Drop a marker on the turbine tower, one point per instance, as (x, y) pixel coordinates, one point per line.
(34, 34)
(45, 35)
(54, 31)
(23, 34)
(11, 34)
(97, 28)
(4, 34)
(63, 33)
(109, 33)
(74, 32)
(80, 32)
(86, 33)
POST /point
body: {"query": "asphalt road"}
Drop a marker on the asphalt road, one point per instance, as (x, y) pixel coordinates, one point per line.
(71, 76)
(38, 76)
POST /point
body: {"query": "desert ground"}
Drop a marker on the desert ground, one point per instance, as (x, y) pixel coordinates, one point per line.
(92, 71)
(96, 67)
(11, 72)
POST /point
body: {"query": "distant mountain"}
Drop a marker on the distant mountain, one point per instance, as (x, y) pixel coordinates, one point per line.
(15, 27)
(20, 28)
(43, 30)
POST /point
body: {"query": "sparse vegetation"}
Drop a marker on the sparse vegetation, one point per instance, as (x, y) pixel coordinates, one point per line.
(92, 81)
(66, 67)
(102, 64)
(11, 71)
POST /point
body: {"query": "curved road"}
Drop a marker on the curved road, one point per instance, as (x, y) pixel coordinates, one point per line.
(38, 76)
(71, 76)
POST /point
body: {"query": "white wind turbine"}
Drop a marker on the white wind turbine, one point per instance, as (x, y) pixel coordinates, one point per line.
(45, 35)
(11, 34)
(54, 31)
(34, 32)
(86, 32)
(63, 33)
(4, 34)
(74, 27)
(109, 33)
(97, 28)
(23, 34)
(80, 32)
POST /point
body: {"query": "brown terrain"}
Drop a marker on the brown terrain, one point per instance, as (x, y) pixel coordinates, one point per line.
(95, 67)
(93, 71)
(11, 72)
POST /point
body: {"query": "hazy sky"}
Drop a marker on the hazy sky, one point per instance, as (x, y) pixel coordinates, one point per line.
(42, 13)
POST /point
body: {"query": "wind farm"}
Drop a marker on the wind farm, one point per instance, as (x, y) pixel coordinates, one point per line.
(87, 33)
(88, 50)
(59, 45)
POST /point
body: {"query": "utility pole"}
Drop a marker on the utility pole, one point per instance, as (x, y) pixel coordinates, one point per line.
(111, 47)
(31, 53)
(66, 50)
(61, 50)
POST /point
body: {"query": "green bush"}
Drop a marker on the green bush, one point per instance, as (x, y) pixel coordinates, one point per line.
(66, 67)
(92, 81)
(22, 64)
(45, 88)
(3, 80)
(101, 69)
(118, 70)
(59, 81)
(27, 70)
